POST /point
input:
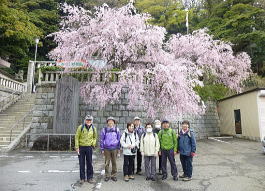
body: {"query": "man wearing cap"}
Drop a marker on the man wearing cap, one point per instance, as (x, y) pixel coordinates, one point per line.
(85, 142)
(140, 130)
(168, 149)
(110, 147)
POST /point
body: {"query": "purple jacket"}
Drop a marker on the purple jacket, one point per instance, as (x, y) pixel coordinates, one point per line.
(110, 138)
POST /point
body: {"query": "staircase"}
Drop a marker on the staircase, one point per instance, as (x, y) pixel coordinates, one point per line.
(17, 118)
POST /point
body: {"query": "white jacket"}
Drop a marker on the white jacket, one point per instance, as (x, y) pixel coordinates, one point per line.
(150, 144)
(131, 140)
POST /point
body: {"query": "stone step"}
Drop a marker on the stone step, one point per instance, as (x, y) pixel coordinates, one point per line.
(7, 132)
(20, 107)
(16, 113)
(6, 139)
(8, 135)
(11, 122)
(17, 104)
(5, 143)
(20, 126)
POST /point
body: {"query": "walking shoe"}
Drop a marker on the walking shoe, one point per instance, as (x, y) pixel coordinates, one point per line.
(114, 178)
(153, 179)
(164, 177)
(81, 182)
(131, 177)
(91, 181)
(182, 176)
(147, 178)
(139, 173)
(126, 178)
(106, 179)
(160, 172)
(187, 179)
(175, 178)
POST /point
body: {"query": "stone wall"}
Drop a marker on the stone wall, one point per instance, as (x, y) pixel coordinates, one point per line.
(42, 120)
(204, 126)
(4, 93)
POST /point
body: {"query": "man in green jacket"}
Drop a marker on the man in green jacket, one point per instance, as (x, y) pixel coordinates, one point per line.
(168, 149)
(85, 142)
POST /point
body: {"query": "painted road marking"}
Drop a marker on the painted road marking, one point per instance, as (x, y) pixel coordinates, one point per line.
(98, 186)
(218, 140)
(59, 171)
(53, 156)
(23, 171)
(6, 156)
(29, 156)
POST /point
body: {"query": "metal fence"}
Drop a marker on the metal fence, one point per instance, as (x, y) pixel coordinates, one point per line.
(48, 138)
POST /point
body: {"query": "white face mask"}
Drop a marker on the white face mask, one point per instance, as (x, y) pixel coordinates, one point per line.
(149, 130)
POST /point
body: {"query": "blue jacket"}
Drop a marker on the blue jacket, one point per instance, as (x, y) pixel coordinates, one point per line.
(140, 131)
(187, 143)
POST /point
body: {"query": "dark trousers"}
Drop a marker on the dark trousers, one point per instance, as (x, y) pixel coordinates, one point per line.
(133, 165)
(169, 154)
(128, 165)
(160, 163)
(186, 162)
(85, 162)
(139, 161)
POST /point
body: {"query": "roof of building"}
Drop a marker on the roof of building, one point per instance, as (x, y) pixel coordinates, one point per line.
(243, 93)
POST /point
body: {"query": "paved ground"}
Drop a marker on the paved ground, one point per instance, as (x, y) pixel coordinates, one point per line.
(236, 165)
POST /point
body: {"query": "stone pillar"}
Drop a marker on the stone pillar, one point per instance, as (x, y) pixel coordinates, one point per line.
(30, 76)
(66, 109)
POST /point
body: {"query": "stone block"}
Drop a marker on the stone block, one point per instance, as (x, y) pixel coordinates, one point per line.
(50, 95)
(125, 113)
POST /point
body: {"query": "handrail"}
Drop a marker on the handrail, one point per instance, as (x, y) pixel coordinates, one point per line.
(9, 100)
(17, 123)
(12, 84)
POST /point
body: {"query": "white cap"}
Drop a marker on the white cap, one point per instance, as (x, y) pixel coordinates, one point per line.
(137, 118)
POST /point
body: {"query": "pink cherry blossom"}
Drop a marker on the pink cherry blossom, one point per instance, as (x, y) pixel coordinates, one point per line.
(158, 75)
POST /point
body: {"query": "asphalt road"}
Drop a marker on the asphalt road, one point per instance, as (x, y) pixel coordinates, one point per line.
(229, 164)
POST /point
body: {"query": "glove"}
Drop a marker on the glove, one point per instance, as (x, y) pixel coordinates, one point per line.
(193, 154)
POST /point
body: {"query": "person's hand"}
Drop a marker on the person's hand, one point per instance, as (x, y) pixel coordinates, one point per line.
(102, 152)
(193, 154)
(78, 151)
(175, 153)
(130, 146)
(159, 153)
(156, 155)
(142, 153)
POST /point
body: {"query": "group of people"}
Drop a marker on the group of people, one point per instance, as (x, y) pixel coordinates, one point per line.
(136, 142)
